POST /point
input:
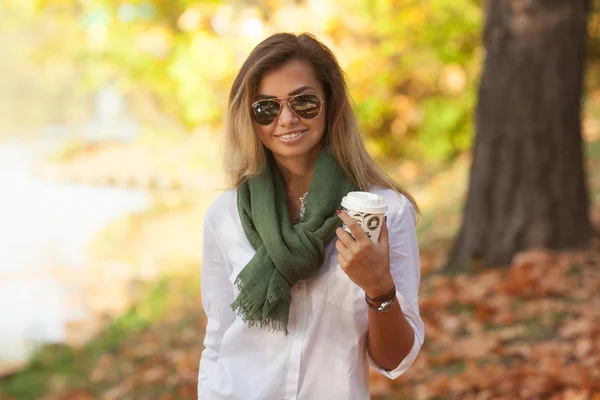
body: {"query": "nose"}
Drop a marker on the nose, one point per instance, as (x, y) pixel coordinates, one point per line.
(287, 116)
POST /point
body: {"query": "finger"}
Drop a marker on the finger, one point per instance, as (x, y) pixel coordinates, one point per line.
(356, 230)
(345, 237)
(342, 260)
(341, 248)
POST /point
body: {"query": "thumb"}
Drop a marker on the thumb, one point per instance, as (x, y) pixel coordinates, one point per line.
(383, 235)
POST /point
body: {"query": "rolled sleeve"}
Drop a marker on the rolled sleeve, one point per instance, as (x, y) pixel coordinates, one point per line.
(414, 351)
(406, 273)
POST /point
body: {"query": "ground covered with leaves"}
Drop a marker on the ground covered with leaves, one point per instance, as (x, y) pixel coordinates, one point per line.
(530, 331)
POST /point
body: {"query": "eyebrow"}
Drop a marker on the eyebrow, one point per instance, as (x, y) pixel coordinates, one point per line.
(292, 93)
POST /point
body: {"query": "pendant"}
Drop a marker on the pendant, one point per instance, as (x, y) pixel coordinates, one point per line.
(303, 205)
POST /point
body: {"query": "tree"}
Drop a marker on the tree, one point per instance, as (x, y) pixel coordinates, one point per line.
(527, 185)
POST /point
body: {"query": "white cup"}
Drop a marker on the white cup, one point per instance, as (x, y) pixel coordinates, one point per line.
(368, 209)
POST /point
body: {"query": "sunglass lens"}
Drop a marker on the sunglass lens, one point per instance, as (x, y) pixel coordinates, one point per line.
(265, 111)
(306, 105)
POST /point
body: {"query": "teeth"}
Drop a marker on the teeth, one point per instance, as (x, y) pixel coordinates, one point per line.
(291, 136)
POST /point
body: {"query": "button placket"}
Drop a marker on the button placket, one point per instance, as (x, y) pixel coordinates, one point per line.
(297, 342)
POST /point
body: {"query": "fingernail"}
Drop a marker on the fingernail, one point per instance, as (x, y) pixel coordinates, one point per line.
(338, 211)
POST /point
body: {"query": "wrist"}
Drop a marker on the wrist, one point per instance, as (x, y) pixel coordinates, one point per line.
(385, 286)
(382, 303)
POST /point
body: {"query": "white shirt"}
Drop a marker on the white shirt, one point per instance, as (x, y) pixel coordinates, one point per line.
(324, 356)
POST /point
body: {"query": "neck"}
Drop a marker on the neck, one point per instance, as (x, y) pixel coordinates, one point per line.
(297, 172)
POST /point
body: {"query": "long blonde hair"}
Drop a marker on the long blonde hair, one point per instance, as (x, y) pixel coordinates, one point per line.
(244, 152)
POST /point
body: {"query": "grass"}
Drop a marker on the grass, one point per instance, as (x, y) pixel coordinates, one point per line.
(61, 363)
(592, 150)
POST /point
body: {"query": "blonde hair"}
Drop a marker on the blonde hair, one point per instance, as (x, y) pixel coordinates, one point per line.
(244, 152)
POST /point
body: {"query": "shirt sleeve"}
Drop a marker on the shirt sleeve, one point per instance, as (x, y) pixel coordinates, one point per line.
(405, 267)
(217, 296)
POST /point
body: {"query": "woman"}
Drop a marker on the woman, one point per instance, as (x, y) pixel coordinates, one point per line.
(296, 307)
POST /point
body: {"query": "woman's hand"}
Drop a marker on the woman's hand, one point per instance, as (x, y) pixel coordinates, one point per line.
(367, 264)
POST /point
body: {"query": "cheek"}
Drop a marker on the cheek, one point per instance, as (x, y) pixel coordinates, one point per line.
(319, 124)
(263, 132)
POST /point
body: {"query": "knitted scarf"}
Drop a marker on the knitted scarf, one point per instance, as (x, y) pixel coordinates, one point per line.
(285, 253)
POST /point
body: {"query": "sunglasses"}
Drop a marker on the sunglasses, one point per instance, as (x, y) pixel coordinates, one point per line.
(306, 106)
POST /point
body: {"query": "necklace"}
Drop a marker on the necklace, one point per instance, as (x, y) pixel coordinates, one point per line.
(303, 203)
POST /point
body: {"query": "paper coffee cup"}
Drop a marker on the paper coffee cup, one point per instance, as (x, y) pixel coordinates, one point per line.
(368, 209)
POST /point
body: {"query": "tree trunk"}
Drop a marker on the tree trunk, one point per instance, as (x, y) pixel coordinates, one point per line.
(527, 187)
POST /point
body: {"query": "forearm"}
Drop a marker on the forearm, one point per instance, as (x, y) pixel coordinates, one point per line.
(390, 337)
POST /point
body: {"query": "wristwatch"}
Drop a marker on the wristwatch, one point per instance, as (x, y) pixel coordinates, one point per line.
(383, 307)
(385, 302)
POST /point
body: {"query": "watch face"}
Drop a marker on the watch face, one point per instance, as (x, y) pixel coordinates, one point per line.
(385, 305)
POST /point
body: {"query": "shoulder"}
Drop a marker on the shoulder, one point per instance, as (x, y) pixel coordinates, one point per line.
(399, 207)
(224, 207)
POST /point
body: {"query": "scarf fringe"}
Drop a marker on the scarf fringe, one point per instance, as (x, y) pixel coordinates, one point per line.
(251, 313)
(279, 295)
(269, 324)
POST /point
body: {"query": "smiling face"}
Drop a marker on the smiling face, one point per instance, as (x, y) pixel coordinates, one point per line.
(289, 136)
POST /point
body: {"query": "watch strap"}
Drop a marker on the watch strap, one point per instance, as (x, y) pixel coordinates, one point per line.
(385, 302)
(385, 297)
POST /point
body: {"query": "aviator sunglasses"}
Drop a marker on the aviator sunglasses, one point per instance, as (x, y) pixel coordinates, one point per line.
(306, 106)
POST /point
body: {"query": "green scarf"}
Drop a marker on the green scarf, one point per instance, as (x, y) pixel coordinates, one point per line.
(285, 253)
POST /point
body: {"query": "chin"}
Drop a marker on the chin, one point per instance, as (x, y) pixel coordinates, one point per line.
(288, 153)
(293, 152)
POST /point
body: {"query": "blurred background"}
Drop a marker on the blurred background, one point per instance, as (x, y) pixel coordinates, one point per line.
(111, 119)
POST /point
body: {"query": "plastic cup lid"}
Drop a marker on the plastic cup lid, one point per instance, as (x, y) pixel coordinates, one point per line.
(364, 202)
